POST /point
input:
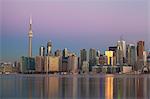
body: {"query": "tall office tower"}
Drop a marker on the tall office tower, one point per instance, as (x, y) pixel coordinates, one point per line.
(92, 58)
(65, 52)
(109, 55)
(30, 34)
(119, 54)
(27, 64)
(98, 53)
(73, 63)
(64, 67)
(131, 55)
(58, 53)
(97, 57)
(42, 51)
(83, 57)
(39, 64)
(85, 67)
(49, 48)
(121, 47)
(114, 49)
(140, 50)
(51, 64)
(148, 60)
(145, 58)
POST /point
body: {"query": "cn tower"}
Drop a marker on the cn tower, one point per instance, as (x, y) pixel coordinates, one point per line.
(30, 34)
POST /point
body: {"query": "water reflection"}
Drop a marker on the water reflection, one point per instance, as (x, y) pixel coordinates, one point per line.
(109, 87)
(74, 87)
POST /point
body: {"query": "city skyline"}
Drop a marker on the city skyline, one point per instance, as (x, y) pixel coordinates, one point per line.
(76, 31)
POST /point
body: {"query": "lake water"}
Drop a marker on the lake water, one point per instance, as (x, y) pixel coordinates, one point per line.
(19, 86)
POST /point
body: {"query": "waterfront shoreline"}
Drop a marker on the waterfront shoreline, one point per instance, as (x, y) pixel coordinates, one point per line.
(79, 75)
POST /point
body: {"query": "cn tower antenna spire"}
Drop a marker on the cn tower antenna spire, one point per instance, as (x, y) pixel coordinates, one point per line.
(30, 19)
(30, 35)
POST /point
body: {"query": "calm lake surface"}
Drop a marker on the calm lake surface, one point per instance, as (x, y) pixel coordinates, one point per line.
(19, 86)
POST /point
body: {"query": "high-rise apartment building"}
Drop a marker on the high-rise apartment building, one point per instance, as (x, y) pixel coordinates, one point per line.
(39, 64)
(109, 56)
(114, 49)
(58, 53)
(49, 48)
(65, 52)
(131, 55)
(83, 57)
(145, 58)
(140, 50)
(148, 59)
(42, 51)
(27, 64)
(51, 64)
(73, 63)
(92, 58)
(98, 53)
(119, 53)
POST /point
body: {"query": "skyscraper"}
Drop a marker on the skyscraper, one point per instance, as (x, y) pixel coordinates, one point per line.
(83, 57)
(114, 49)
(27, 64)
(42, 51)
(109, 55)
(123, 45)
(121, 52)
(39, 64)
(98, 53)
(148, 59)
(30, 34)
(65, 52)
(92, 58)
(145, 58)
(49, 48)
(140, 50)
(58, 53)
(51, 64)
(131, 54)
(72, 63)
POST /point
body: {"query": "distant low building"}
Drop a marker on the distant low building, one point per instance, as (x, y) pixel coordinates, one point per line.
(127, 69)
(7, 68)
(96, 69)
(106, 69)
